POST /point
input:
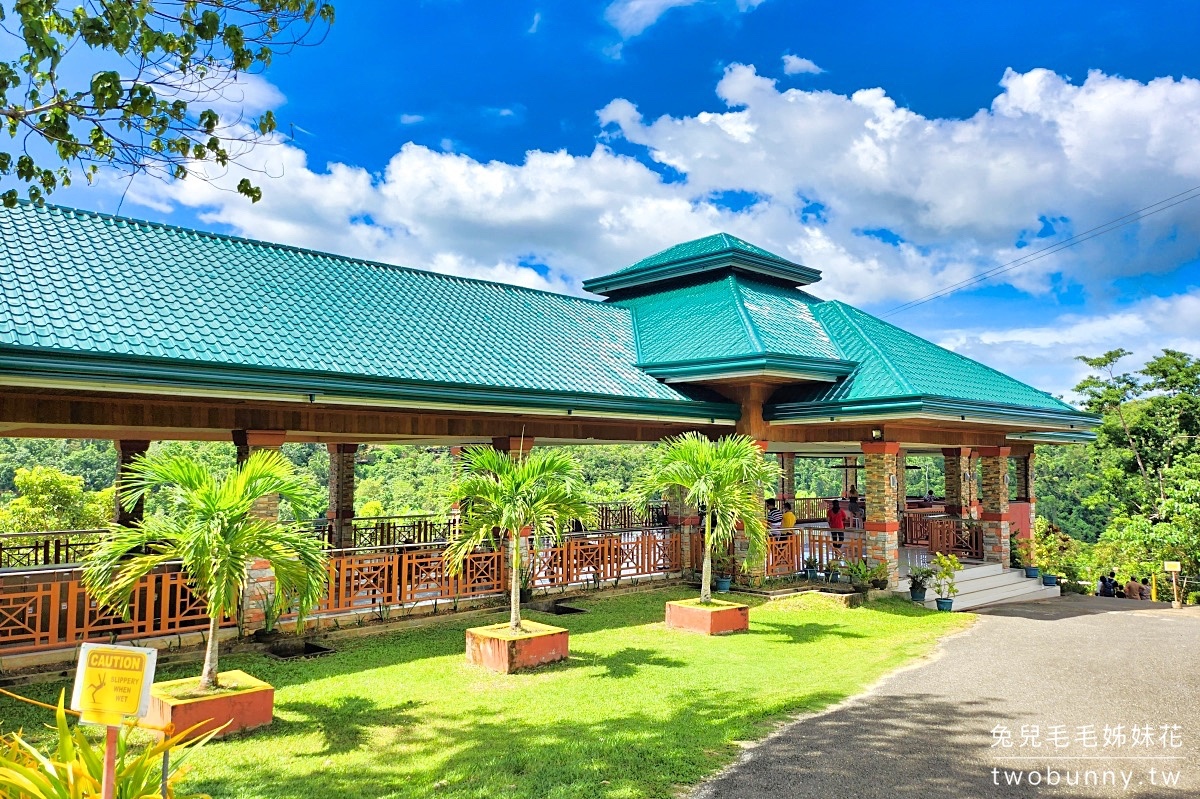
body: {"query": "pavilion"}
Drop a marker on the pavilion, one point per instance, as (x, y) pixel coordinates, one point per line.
(135, 331)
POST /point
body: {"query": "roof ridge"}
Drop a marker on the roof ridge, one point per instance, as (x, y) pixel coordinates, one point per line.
(961, 357)
(895, 373)
(739, 302)
(306, 251)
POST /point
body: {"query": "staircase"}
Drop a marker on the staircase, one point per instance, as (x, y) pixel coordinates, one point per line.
(989, 584)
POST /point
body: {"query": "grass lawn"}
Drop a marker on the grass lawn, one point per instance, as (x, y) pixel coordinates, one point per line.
(637, 711)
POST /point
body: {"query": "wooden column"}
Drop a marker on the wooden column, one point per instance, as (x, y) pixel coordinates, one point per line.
(518, 446)
(127, 450)
(882, 525)
(341, 494)
(993, 462)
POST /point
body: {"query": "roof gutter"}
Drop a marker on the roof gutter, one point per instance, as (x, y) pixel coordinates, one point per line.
(931, 407)
(140, 375)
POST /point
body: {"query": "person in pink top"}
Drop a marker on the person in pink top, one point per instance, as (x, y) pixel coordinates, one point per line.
(837, 520)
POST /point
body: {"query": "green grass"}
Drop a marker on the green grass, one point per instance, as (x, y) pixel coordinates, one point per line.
(637, 711)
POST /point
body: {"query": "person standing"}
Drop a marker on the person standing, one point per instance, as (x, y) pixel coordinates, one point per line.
(836, 518)
(1106, 584)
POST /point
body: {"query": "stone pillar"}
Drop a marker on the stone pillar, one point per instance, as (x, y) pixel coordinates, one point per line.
(260, 580)
(849, 475)
(787, 480)
(994, 466)
(883, 487)
(754, 573)
(341, 495)
(127, 450)
(960, 484)
(1027, 487)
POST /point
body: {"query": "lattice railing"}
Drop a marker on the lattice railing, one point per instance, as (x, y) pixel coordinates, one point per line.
(625, 516)
(51, 548)
(948, 534)
(788, 550)
(50, 609)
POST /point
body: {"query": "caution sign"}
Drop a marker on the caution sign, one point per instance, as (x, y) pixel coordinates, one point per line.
(112, 682)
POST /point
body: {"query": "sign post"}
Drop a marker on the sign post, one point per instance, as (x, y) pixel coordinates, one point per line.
(1174, 567)
(111, 683)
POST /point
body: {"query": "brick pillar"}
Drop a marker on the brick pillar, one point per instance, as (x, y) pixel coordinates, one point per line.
(993, 462)
(1027, 487)
(882, 525)
(341, 494)
(260, 580)
(127, 450)
(960, 487)
(755, 572)
(787, 481)
(849, 476)
(902, 483)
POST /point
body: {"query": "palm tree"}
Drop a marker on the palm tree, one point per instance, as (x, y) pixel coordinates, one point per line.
(501, 495)
(211, 530)
(724, 480)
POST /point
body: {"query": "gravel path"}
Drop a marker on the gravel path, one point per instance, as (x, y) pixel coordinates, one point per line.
(1070, 666)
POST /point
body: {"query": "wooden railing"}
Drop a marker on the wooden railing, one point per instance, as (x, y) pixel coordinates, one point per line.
(624, 516)
(809, 509)
(51, 548)
(49, 609)
(600, 557)
(787, 550)
(375, 579)
(947, 534)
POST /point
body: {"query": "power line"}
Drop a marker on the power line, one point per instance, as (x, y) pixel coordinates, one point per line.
(1079, 238)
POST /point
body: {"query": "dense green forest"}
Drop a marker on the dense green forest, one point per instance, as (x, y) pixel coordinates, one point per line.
(1134, 493)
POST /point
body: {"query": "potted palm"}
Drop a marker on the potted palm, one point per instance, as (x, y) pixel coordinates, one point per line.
(944, 568)
(811, 564)
(724, 478)
(501, 496)
(212, 531)
(918, 581)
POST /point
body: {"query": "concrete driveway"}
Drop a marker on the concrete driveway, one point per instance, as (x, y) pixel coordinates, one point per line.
(1069, 667)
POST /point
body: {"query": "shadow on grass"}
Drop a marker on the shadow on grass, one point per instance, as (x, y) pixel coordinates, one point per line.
(344, 724)
(485, 755)
(800, 633)
(629, 661)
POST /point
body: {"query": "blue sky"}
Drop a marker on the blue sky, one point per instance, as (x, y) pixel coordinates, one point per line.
(897, 147)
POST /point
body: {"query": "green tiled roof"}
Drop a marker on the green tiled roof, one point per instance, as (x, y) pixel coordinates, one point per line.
(709, 245)
(733, 319)
(87, 283)
(700, 258)
(895, 364)
(99, 298)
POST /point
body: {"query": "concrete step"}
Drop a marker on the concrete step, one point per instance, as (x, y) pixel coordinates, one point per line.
(1014, 592)
(969, 575)
(989, 584)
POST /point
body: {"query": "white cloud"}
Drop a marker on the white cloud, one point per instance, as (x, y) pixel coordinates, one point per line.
(1045, 354)
(631, 17)
(411, 119)
(889, 204)
(537, 20)
(795, 65)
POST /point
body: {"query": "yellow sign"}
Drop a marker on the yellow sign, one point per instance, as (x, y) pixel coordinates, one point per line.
(112, 682)
(1171, 566)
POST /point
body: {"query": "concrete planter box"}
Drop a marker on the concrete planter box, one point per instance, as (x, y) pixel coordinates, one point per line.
(495, 647)
(248, 705)
(715, 618)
